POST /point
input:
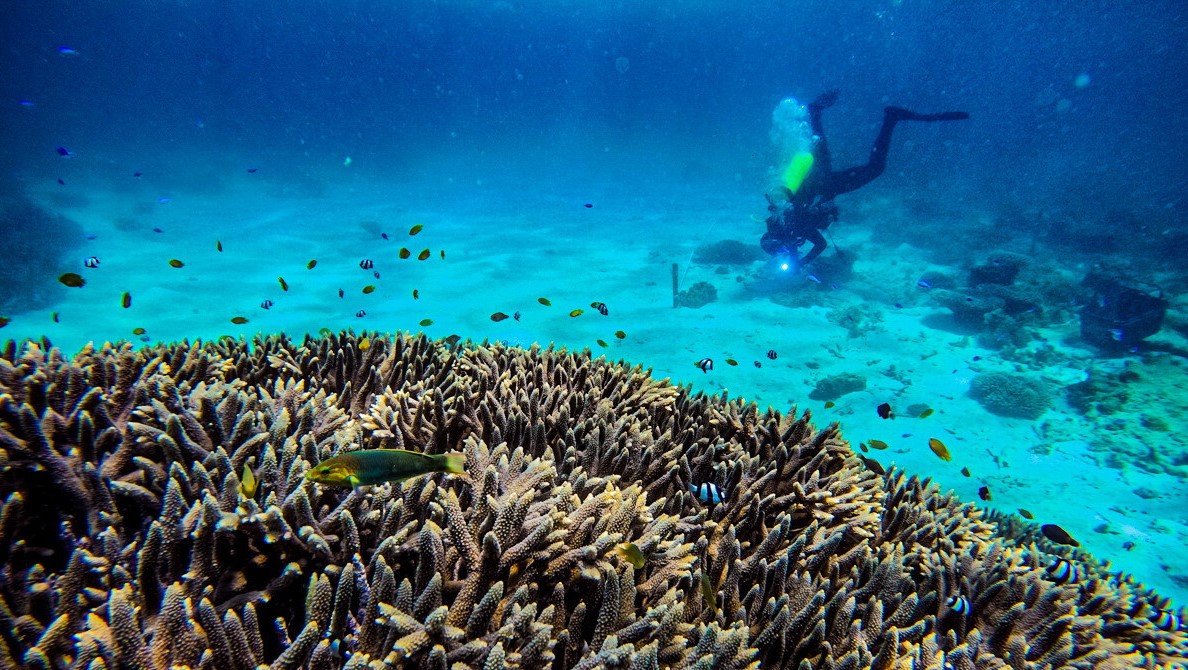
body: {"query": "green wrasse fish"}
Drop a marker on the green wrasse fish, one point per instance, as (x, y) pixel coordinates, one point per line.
(376, 466)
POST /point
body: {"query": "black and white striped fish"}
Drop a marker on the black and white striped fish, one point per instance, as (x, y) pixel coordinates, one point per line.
(267, 304)
(958, 604)
(367, 264)
(92, 262)
(1063, 571)
(361, 313)
(1165, 620)
(705, 364)
(707, 492)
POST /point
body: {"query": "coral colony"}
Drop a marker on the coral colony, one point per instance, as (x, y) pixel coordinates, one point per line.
(156, 514)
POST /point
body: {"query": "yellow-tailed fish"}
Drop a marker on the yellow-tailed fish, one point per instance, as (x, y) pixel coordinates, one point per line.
(939, 448)
(248, 483)
(630, 552)
(376, 466)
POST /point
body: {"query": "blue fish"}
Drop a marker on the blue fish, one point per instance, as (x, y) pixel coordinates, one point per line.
(63, 151)
(26, 103)
(958, 604)
(924, 283)
(707, 492)
(67, 52)
(1117, 333)
(814, 279)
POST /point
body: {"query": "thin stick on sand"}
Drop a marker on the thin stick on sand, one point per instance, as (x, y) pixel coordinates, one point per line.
(675, 285)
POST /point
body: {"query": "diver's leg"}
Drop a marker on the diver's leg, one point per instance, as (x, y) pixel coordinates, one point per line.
(822, 160)
(857, 177)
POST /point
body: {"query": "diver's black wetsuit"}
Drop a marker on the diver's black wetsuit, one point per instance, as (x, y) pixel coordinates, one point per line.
(804, 214)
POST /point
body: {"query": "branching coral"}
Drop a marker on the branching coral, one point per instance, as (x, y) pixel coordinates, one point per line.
(133, 536)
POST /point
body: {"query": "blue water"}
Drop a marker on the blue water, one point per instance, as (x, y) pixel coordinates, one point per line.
(283, 124)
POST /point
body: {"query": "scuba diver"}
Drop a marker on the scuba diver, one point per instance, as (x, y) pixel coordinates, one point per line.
(803, 206)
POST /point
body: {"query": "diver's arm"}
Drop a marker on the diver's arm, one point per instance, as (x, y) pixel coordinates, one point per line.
(819, 245)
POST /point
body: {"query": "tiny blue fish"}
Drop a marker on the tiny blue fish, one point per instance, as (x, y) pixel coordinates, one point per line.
(63, 151)
(707, 492)
(958, 604)
(814, 278)
(26, 103)
(1117, 334)
(267, 304)
(162, 201)
(924, 283)
(67, 52)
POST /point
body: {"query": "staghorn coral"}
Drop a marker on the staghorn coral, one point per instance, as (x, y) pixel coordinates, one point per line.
(130, 541)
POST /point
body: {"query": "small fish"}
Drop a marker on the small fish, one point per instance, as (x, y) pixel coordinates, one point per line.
(126, 300)
(707, 492)
(877, 444)
(138, 331)
(416, 229)
(375, 274)
(91, 262)
(731, 362)
(145, 338)
(620, 335)
(368, 289)
(499, 316)
(600, 307)
(416, 294)
(73, 280)
(423, 255)
(54, 317)
(1058, 535)
(366, 264)
(361, 313)
(884, 411)
(829, 404)
(771, 353)
(341, 293)
(26, 103)
(364, 344)
(1117, 334)
(64, 152)
(218, 245)
(984, 493)
(248, 483)
(67, 52)
(708, 596)
(873, 465)
(453, 339)
(862, 448)
(925, 414)
(267, 304)
(630, 552)
(158, 230)
(965, 471)
(1025, 514)
(1165, 620)
(384, 235)
(138, 174)
(283, 284)
(939, 448)
(958, 604)
(544, 301)
(1128, 545)
(924, 283)
(239, 320)
(1062, 571)
(252, 170)
(376, 466)
(516, 316)
(61, 182)
(311, 264)
(602, 343)
(588, 205)
(813, 278)
(576, 312)
(705, 364)
(758, 364)
(425, 322)
(404, 252)
(442, 254)
(174, 263)
(163, 201)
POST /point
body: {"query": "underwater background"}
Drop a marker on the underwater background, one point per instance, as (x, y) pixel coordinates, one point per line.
(205, 154)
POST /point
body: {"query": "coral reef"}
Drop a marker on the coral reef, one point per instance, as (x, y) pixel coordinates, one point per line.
(35, 243)
(133, 536)
(1012, 395)
(698, 295)
(728, 252)
(836, 386)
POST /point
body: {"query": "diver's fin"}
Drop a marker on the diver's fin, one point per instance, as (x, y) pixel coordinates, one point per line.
(825, 100)
(901, 114)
